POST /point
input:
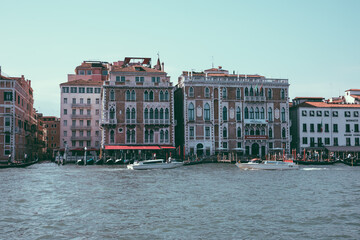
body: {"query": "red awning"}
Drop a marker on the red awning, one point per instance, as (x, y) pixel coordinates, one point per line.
(112, 147)
(167, 147)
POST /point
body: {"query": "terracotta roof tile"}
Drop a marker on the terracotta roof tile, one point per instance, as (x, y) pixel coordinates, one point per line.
(82, 82)
(355, 96)
(328, 105)
(352, 90)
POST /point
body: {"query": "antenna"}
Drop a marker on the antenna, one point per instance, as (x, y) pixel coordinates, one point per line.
(212, 62)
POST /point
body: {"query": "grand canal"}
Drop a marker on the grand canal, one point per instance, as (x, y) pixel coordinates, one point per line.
(209, 201)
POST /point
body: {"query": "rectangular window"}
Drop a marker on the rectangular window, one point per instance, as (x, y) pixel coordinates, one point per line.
(88, 133)
(326, 127)
(356, 114)
(88, 112)
(88, 143)
(65, 123)
(191, 132)
(153, 79)
(239, 144)
(320, 142)
(335, 127)
(81, 90)
(89, 90)
(97, 133)
(326, 113)
(225, 145)
(74, 101)
(81, 111)
(81, 133)
(304, 127)
(304, 113)
(89, 72)
(327, 141)
(318, 113)
(81, 101)
(74, 111)
(207, 132)
(122, 78)
(356, 127)
(88, 101)
(65, 89)
(97, 101)
(65, 111)
(65, 100)
(312, 142)
(137, 79)
(81, 122)
(8, 96)
(73, 123)
(88, 123)
(312, 128)
(347, 114)
(319, 127)
(81, 72)
(348, 141)
(73, 89)
(97, 90)
(347, 128)
(335, 113)
(73, 133)
(357, 142)
(97, 112)
(7, 138)
(73, 143)
(65, 133)
(304, 140)
(81, 143)
(117, 79)
(105, 72)
(336, 143)
(312, 113)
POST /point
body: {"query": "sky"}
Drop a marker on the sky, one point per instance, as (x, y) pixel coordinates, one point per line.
(315, 44)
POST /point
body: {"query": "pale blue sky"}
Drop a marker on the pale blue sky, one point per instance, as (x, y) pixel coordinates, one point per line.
(315, 44)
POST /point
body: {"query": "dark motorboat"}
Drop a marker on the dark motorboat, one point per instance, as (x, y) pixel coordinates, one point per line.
(351, 162)
(80, 161)
(110, 161)
(100, 161)
(193, 162)
(90, 161)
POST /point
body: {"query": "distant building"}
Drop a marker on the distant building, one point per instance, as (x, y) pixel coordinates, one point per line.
(221, 112)
(81, 107)
(325, 126)
(17, 123)
(52, 126)
(137, 103)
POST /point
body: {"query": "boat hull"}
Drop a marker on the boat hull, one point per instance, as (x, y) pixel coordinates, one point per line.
(266, 166)
(140, 166)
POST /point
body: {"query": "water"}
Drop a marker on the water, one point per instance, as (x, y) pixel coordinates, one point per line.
(209, 201)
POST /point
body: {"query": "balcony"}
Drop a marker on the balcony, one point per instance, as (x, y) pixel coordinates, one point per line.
(157, 121)
(80, 127)
(108, 122)
(80, 105)
(254, 98)
(130, 121)
(81, 138)
(78, 116)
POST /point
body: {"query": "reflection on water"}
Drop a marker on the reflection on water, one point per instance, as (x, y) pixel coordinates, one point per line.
(209, 201)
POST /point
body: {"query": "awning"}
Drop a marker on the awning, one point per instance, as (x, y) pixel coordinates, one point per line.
(114, 147)
(167, 147)
(343, 148)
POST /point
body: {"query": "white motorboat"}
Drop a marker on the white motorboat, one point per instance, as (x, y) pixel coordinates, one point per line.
(154, 164)
(269, 165)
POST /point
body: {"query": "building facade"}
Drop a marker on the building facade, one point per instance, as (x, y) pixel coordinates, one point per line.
(137, 103)
(52, 126)
(81, 107)
(318, 125)
(217, 111)
(17, 122)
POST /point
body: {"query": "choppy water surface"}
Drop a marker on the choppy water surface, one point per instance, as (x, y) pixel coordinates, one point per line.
(209, 201)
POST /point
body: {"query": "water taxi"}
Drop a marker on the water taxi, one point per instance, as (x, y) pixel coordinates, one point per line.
(269, 165)
(154, 164)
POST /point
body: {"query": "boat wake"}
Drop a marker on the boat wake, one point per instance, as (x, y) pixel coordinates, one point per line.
(313, 169)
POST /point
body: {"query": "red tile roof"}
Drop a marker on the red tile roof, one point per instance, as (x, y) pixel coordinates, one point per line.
(355, 96)
(353, 90)
(328, 105)
(308, 98)
(82, 82)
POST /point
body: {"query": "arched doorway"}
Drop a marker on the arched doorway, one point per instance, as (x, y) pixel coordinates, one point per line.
(255, 149)
(199, 149)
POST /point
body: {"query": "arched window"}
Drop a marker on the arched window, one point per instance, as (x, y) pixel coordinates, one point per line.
(283, 119)
(224, 93)
(133, 95)
(270, 115)
(238, 93)
(133, 114)
(128, 136)
(151, 113)
(112, 95)
(270, 132)
(161, 136)
(225, 113)
(257, 131)
(282, 94)
(246, 113)
(128, 98)
(161, 113)
(262, 131)
(246, 131)
(161, 96)
(146, 114)
(151, 136)
(283, 133)
(167, 117)
(146, 136)
(251, 91)
(166, 136)
(251, 113)
(257, 115)
(146, 96)
(112, 113)
(224, 132)
(128, 113)
(252, 132)
(156, 113)
(269, 93)
(112, 136)
(191, 112)
(191, 92)
(261, 91)
(246, 91)
(166, 98)
(262, 113)
(238, 114)
(239, 132)
(207, 112)
(151, 96)
(207, 92)
(256, 91)
(133, 140)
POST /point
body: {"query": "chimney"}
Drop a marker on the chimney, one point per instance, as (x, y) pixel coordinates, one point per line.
(162, 67)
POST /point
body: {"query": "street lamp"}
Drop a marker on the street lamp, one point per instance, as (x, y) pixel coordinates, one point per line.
(85, 148)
